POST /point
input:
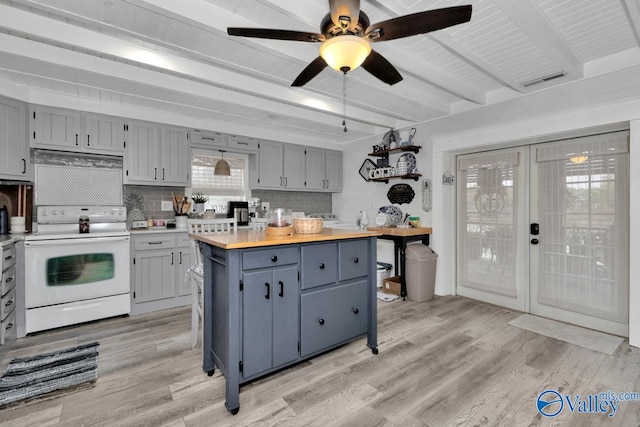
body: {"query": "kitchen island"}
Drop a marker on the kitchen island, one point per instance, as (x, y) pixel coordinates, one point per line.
(272, 301)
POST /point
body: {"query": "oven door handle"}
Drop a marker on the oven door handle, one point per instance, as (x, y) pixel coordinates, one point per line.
(81, 240)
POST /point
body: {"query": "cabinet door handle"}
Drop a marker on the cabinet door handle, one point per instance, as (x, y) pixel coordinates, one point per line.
(24, 165)
(268, 295)
(280, 181)
(281, 293)
(321, 321)
(88, 140)
(171, 258)
(327, 184)
(180, 257)
(9, 280)
(356, 260)
(274, 259)
(163, 174)
(285, 181)
(155, 173)
(321, 266)
(8, 303)
(76, 139)
(356, 311)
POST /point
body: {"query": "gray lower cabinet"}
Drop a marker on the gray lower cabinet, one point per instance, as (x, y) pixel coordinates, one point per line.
(293, 301)
(269, 319)
(8, 293)
(158, 264)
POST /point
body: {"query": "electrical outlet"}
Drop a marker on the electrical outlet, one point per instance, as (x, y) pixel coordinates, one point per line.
(265, 206)
(166, 205)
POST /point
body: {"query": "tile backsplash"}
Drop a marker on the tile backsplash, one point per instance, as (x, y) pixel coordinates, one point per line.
(153, 196)
(298, 201)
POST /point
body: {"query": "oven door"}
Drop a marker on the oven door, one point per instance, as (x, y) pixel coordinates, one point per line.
(65, 270)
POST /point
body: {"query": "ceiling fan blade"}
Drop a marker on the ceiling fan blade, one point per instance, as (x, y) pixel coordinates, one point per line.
(379, 67)
(418, 23)
(345, 8)
(312, 70)
(267, 33)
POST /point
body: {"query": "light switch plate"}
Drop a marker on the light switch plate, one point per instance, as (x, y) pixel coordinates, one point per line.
(265, 206)
(166, 205)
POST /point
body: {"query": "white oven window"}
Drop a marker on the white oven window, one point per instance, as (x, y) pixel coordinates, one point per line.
(80, 269)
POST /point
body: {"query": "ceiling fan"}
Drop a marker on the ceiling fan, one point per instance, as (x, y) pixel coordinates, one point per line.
(346, 35)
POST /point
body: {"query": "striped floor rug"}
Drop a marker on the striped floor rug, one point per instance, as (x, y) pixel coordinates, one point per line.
(49, 374)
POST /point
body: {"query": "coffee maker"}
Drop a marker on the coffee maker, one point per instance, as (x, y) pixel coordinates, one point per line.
(239, 210)
(254, 207)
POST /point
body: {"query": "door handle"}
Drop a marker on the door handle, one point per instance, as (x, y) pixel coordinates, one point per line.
(281, 293)
(268, 295)
(534, 241)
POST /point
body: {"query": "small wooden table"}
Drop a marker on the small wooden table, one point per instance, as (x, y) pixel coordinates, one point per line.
(400, 238)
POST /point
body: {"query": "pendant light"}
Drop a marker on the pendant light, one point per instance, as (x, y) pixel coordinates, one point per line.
(222, 167)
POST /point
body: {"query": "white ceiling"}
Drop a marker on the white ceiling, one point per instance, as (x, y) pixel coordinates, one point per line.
(175, 60)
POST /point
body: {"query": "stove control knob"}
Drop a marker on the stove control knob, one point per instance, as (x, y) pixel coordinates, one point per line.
(53, 212)
(62, 212)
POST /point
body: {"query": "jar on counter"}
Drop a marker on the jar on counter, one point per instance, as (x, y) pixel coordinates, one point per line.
(149, 222)
(83, 224)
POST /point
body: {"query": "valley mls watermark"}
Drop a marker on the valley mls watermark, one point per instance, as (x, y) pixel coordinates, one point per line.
(551, 403)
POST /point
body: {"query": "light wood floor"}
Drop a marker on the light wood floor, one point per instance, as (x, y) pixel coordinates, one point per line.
(449, 361)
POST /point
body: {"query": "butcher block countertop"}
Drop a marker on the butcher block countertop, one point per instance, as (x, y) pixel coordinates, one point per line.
(253, 239)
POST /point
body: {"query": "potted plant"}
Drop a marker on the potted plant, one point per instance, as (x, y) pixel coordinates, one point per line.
(199, 200)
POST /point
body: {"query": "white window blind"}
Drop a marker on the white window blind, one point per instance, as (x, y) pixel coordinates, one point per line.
(219, 189)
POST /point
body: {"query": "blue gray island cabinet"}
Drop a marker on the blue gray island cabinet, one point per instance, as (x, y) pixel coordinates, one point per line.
(272, 301)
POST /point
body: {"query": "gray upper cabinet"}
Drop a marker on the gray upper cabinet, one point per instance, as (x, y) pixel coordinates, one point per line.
(141, 157)
(242, 144)
(14, 150)
(104, 133)
(270, 165)
(294, 167)
(208, 140)
(156, 155)
(68, 130)
(323, 170)
(175, 158)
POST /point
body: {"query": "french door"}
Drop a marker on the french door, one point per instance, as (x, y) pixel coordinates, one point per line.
(544, 229)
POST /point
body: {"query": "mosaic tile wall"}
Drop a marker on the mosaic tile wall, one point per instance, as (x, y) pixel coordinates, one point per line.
(152, 198)
(307, 202)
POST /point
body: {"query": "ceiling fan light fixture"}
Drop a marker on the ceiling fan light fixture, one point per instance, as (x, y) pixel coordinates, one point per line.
(345, 52)
(222, 167)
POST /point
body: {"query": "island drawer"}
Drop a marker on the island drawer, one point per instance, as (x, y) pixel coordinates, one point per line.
(319, 265)
(353, 259)
(332, 315)
(271, 257)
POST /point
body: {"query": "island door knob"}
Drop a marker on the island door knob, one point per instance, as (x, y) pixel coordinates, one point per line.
(274, 258)
(321, 266)
(321, 321)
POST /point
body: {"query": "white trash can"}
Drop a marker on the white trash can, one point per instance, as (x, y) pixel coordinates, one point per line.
(421, 272)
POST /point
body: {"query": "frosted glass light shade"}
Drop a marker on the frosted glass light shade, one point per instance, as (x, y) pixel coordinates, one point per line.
(345, 51)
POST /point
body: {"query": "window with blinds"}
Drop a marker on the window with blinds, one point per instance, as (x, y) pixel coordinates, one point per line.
(219, 189)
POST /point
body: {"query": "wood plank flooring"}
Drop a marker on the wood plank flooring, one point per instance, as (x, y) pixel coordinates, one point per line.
(451, 361)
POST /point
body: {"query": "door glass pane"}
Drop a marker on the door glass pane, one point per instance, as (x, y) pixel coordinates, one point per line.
(584, 238)
(79, 269)
(487, 239)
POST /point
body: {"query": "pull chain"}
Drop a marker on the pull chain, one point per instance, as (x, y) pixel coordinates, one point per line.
(344, 101)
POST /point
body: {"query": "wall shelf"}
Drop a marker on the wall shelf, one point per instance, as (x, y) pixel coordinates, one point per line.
(385, 153)
(413, 176)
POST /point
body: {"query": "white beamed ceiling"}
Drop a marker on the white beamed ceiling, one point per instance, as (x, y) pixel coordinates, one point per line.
(172, 60)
